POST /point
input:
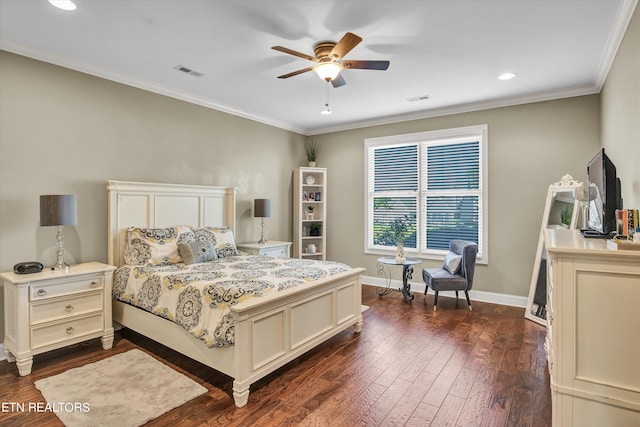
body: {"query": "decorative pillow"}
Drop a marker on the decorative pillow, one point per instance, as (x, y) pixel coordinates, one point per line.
(221, 237)
(195, 252)
(452, 263)
(152, 246)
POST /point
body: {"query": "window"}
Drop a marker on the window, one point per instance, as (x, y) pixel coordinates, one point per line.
(433, 183)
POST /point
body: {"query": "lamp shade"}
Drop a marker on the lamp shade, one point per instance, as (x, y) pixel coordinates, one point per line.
(262, 208)
(58, 210)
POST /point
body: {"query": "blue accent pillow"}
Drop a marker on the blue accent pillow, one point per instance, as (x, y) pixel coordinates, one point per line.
(195, 252)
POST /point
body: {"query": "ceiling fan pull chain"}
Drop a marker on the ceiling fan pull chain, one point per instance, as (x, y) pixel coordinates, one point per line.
(326, 104)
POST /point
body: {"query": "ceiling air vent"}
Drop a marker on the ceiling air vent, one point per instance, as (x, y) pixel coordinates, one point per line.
(418, 98)
(188, 71)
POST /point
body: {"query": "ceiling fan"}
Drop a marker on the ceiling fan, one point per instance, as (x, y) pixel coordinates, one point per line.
(329, 60)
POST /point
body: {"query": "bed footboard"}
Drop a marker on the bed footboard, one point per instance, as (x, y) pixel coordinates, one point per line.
(274, 331)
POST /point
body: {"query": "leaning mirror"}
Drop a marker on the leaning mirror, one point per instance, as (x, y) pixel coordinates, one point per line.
(561, 210)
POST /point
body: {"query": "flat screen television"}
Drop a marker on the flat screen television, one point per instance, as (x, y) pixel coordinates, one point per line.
(604, 196)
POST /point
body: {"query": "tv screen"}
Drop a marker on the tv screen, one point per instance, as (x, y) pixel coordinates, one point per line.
(603, 194)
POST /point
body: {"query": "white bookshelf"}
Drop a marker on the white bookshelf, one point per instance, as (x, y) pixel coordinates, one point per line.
(309, 212)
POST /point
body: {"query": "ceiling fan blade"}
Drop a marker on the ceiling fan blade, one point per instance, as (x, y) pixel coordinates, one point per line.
(366, 65)
(344, 46)
(294, 53)
(295, 73)
(338, 81)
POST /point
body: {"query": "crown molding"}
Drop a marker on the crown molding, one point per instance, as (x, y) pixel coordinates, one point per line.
(112, 75)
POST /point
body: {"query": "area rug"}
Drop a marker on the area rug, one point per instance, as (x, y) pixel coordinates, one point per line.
(127, 389)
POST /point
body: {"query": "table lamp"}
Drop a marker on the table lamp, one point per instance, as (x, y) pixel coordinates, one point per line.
(262, 209)
(58, 210)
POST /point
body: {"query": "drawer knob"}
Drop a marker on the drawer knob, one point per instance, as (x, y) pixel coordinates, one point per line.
(69, 330)
(68, 308)
(94, 284)
(42, 292)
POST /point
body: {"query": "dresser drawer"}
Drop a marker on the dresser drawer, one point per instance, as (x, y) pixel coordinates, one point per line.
(42, 336)
(68, 287)
(61, 308)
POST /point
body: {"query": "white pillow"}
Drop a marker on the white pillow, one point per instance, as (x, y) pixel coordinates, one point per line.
(452, 263)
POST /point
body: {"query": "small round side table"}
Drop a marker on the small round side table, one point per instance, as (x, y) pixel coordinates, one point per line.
(407, 273)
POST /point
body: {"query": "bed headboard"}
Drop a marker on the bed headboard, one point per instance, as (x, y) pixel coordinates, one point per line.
(153, 205)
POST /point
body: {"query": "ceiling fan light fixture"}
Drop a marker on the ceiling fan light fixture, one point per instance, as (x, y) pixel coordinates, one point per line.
(327, 71)
(63, 4)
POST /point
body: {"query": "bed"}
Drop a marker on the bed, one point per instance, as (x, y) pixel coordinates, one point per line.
(269, 330)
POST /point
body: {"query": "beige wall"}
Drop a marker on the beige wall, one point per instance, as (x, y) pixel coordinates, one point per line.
(64, 132)
(621, 113)
(530, 147)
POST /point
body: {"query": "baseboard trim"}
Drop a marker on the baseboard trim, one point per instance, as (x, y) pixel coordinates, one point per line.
(418, 287)
(3, 355)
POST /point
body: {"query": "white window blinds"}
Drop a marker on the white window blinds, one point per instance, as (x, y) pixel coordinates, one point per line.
(433, 184)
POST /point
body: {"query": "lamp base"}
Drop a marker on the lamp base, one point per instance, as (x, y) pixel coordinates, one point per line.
(64, 268)
(262, 240)
(60, 265)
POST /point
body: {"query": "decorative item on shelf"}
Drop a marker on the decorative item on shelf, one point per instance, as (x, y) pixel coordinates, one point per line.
(311, 248)
(59, 210)
(312, 148)
(309, 214)
(309, 179)
(262, 210)
(315, 229)
(316, 196)
(399, 228)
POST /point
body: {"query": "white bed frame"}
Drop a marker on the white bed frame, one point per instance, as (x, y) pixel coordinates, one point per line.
(270, 331)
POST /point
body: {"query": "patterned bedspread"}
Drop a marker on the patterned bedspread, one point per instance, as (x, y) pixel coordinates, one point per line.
(198, 296)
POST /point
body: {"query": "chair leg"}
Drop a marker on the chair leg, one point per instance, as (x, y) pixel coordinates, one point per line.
(466, 293)
(456, 295)
(435, 301)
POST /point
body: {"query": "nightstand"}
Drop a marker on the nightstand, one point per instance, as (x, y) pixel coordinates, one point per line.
(272, 248)
(52, 309)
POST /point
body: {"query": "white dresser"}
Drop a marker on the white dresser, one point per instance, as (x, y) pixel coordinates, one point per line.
(593, 331)
(52, 309)
(271, 248)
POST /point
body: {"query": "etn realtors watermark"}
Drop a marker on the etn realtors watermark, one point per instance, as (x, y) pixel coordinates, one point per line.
(36, 407)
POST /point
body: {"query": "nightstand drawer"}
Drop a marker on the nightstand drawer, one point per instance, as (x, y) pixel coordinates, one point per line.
(68, 287)
(67, 331)
(48, 310)
(277, 252)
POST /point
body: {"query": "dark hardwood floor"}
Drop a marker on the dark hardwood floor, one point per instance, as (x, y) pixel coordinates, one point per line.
(408, 367)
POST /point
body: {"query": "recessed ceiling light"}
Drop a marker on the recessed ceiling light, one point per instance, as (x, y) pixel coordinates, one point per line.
(507, 76)
(63, 4)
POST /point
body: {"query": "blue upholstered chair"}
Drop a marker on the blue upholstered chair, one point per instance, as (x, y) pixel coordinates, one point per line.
(456, 273)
